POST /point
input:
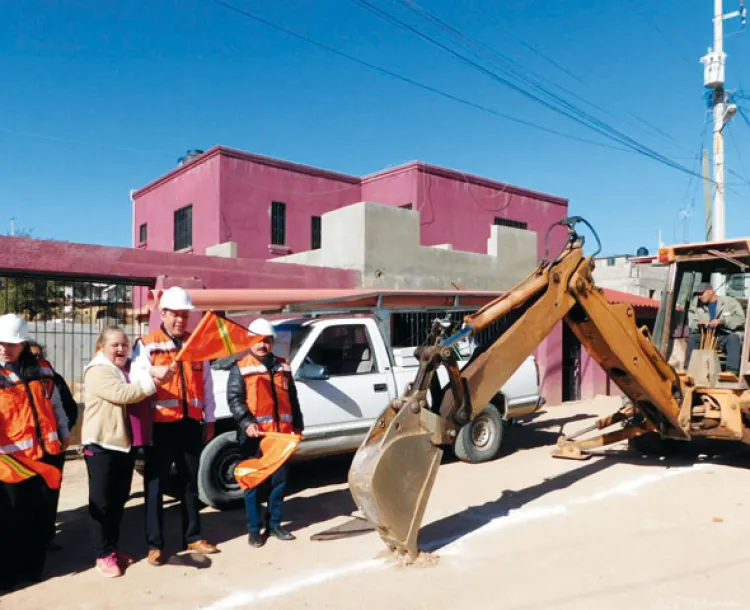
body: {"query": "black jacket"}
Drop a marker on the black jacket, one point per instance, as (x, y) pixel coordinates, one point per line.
(68, 402)
(237, 401)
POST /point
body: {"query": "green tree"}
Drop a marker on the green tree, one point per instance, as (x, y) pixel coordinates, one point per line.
(36, 298)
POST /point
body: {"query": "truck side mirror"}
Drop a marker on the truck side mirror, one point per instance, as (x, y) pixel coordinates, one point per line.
(312, 372)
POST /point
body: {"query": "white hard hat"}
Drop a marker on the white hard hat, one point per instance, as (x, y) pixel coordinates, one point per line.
(261, 327)
(13, 329)
(176, 299)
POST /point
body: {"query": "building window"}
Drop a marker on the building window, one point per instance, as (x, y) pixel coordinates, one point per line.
(513, 224)
(183, 228)
(315, 239)
(406, 206)
(142, 234)
(278, 223)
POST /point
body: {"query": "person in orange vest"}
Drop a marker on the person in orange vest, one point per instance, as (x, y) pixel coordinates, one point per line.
(70, 406)
(33, 427)
(183, 420)
(262, 397)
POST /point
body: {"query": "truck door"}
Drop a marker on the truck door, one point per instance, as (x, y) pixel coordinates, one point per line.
(356, 388)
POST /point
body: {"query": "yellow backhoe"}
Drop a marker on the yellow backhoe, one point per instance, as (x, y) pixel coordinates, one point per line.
(394, 470)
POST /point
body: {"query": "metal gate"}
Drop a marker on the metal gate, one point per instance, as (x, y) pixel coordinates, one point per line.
(66, 315)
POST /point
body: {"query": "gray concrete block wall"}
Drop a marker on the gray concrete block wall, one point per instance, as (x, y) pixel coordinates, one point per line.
(383, 244)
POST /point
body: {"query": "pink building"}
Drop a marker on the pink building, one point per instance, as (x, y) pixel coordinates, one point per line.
(270, 207)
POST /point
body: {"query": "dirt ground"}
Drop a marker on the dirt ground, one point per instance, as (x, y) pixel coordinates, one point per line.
(524, 532)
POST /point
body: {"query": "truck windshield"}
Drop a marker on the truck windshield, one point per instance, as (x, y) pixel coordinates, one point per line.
(289, 337)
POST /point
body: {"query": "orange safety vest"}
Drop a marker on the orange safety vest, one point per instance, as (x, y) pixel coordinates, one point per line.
(17, 469)
(183, 394)
(28, 427)
(269, 402)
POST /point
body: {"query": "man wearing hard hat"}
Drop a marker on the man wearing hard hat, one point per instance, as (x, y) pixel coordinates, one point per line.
(263, 398)
(183, 419)
(33, 428)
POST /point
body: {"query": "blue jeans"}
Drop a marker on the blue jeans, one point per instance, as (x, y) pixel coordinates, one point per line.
(277, 483)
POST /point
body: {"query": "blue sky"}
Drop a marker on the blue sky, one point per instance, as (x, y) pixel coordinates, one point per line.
(102, 97)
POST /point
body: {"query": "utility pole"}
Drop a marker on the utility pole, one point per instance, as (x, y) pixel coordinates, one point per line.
(714, 65)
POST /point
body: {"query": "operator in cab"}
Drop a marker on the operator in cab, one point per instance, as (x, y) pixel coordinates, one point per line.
(724, 314)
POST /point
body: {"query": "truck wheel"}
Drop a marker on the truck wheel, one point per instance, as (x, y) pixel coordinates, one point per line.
(217, 486)
(481, 439)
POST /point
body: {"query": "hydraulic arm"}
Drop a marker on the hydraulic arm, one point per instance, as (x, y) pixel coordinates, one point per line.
(394, 470)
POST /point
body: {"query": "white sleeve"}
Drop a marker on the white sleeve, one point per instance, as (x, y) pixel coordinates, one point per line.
(140, 367)
(63, 430)
(209, 403)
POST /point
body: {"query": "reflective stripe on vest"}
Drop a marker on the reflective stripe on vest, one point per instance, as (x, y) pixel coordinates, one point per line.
(19, 446)
(29, 427)
(268, 401)
(171, 401)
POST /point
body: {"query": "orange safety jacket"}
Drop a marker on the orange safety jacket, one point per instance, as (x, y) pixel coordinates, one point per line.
(267, 393)
(28, 427)
(17, 469)
(183, 395)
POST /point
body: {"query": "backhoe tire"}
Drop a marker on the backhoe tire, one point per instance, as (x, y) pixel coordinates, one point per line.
(481, 439)
(651, 444)
(217, 486)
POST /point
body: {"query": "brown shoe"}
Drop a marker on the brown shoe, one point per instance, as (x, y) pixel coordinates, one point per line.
(155, 557)
(203, 547)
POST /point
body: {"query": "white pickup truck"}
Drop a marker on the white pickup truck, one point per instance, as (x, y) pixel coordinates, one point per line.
(346, 373)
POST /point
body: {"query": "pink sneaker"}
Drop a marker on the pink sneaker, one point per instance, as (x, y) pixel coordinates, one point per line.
(108, 567)
(124, 559)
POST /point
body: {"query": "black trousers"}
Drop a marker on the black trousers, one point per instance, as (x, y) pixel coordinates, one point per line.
(110, 476)
(23, 515)
(179, 443)
(58, 461)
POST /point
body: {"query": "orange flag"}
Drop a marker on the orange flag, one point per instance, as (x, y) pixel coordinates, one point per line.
(215, 337)
(276, 448)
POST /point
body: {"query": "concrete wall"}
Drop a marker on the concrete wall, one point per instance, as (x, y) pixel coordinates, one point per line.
(630, 275)
(382, 244)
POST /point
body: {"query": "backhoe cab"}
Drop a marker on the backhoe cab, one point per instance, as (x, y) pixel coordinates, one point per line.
(394, 470)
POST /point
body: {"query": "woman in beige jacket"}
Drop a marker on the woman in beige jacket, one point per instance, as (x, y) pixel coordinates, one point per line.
(107, 441)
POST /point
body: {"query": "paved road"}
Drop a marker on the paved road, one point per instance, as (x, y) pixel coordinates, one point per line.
(524, 532)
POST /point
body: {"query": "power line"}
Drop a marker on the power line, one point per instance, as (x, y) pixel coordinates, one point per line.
(598, 126)
(507, 63)
(408, 80)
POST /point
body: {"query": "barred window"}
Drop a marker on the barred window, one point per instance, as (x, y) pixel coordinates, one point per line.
(142, 233)
(507, 222)
(183, 228)
(278, 223)
(316, 237)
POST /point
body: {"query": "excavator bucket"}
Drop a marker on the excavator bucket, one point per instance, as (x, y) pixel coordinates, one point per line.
(393, 472)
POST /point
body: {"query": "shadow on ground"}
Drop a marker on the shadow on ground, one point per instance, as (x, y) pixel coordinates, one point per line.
(219, 527)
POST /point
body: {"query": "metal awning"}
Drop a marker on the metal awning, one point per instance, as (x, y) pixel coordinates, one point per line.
(303, 300)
